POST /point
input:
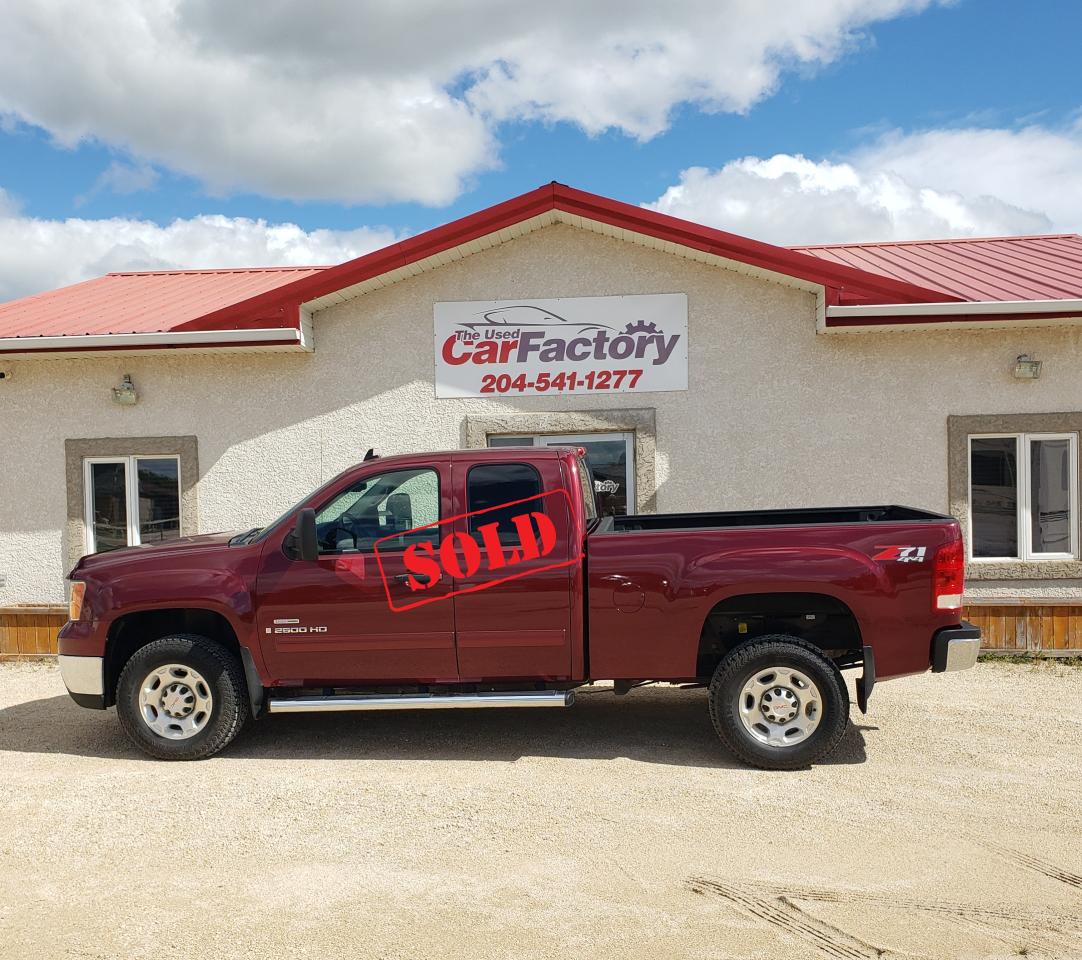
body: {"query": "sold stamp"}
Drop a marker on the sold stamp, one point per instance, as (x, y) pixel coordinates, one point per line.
(474, 551)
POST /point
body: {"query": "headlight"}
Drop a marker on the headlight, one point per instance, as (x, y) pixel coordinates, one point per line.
(75, 604)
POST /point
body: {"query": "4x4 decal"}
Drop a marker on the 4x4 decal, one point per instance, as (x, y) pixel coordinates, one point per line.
(902, 554)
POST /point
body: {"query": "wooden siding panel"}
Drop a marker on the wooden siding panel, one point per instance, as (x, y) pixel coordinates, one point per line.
(8, 645)
(24, 625)
(30, 632)
(1040, 628)
(1002, 628)
(1019, 629)
(1074, 629)
(1060, 618)
(991, 622)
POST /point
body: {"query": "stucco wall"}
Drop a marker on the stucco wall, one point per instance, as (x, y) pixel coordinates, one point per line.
(774, 415)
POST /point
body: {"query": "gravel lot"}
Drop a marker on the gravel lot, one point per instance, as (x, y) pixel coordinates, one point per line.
(948, 825)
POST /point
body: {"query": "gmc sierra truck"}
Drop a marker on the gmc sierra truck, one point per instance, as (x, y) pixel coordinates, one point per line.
(486, 578)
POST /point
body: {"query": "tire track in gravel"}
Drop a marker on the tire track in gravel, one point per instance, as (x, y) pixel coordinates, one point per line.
(1035, 919)
(1049, 932)
(780, 912)
(1029, 861)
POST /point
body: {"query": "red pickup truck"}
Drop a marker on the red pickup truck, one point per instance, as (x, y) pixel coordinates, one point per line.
(486, 578)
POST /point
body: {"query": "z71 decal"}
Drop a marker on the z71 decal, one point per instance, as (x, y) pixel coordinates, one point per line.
(900, 553)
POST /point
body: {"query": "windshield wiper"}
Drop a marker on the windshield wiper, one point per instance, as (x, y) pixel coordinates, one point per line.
(246, 537)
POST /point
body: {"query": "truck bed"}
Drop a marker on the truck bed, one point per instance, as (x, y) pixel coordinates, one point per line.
(766, 518)
(654, 580)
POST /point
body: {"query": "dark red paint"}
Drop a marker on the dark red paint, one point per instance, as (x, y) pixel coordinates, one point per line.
(639, 617)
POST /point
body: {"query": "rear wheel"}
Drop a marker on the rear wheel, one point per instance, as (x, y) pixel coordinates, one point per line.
(182, 697)
(778, 703)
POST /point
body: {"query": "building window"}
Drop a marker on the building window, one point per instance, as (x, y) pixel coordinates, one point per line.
(131, 500)
(611, 457)
(1023, 496)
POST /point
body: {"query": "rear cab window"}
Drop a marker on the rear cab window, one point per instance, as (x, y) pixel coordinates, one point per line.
(497, 488)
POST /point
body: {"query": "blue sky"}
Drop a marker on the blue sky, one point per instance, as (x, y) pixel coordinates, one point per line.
(970, 108)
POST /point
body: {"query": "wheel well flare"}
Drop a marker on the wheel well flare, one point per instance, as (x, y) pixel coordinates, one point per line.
(817, 618)
(134, 630)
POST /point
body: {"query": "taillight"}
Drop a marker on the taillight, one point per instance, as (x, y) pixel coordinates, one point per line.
(948, 576)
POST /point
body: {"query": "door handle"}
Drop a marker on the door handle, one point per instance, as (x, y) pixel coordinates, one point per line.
(422, 578)
(354, 563)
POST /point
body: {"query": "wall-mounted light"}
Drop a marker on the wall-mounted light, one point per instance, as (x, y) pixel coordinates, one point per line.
(125, 392)
(1026, 368)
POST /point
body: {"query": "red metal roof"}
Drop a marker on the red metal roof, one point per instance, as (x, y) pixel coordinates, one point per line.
(143, 302)
(987, 268)
(191, 301)
(841, 280)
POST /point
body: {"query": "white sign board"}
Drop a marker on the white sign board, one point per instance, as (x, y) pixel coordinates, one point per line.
(594, 345)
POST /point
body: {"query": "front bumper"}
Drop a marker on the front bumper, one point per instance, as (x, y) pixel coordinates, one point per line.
(85, 679)
(956, 648)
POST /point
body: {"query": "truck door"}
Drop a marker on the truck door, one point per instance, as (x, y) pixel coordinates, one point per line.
(519, 628)
(330, 621)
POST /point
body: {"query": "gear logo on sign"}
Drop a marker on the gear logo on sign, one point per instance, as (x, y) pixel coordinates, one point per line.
(640, 327)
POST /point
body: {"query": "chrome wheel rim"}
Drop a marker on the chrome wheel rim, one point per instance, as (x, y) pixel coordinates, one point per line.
(175, 701)
(780, 706)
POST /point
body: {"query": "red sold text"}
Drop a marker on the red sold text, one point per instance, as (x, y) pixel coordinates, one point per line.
(474, 547)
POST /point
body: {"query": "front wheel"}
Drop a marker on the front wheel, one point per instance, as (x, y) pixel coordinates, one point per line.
(778, 703)
(182, 698)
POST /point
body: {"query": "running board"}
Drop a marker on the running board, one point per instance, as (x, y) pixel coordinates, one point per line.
(424, 701)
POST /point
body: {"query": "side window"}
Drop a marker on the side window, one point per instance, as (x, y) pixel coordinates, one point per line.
(385, 505)
(493, 485)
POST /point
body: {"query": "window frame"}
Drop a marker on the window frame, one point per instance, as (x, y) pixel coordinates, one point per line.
(573, 439)
(1023, 492)
(131, 495)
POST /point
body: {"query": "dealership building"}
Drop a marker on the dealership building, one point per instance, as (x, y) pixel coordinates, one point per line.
(700, 370)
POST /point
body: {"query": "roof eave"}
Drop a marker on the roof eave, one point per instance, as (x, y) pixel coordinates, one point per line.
(966, 315)
(268, 338)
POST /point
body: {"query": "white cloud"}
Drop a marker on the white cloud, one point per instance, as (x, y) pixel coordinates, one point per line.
(1034, 168)
(939, 183)
(127, 178)
(38, 255)
(376, 101)
(122, 178)
(626, 65)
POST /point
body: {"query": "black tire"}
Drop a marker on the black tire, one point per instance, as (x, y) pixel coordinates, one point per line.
(224, 680)
(740, 665)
